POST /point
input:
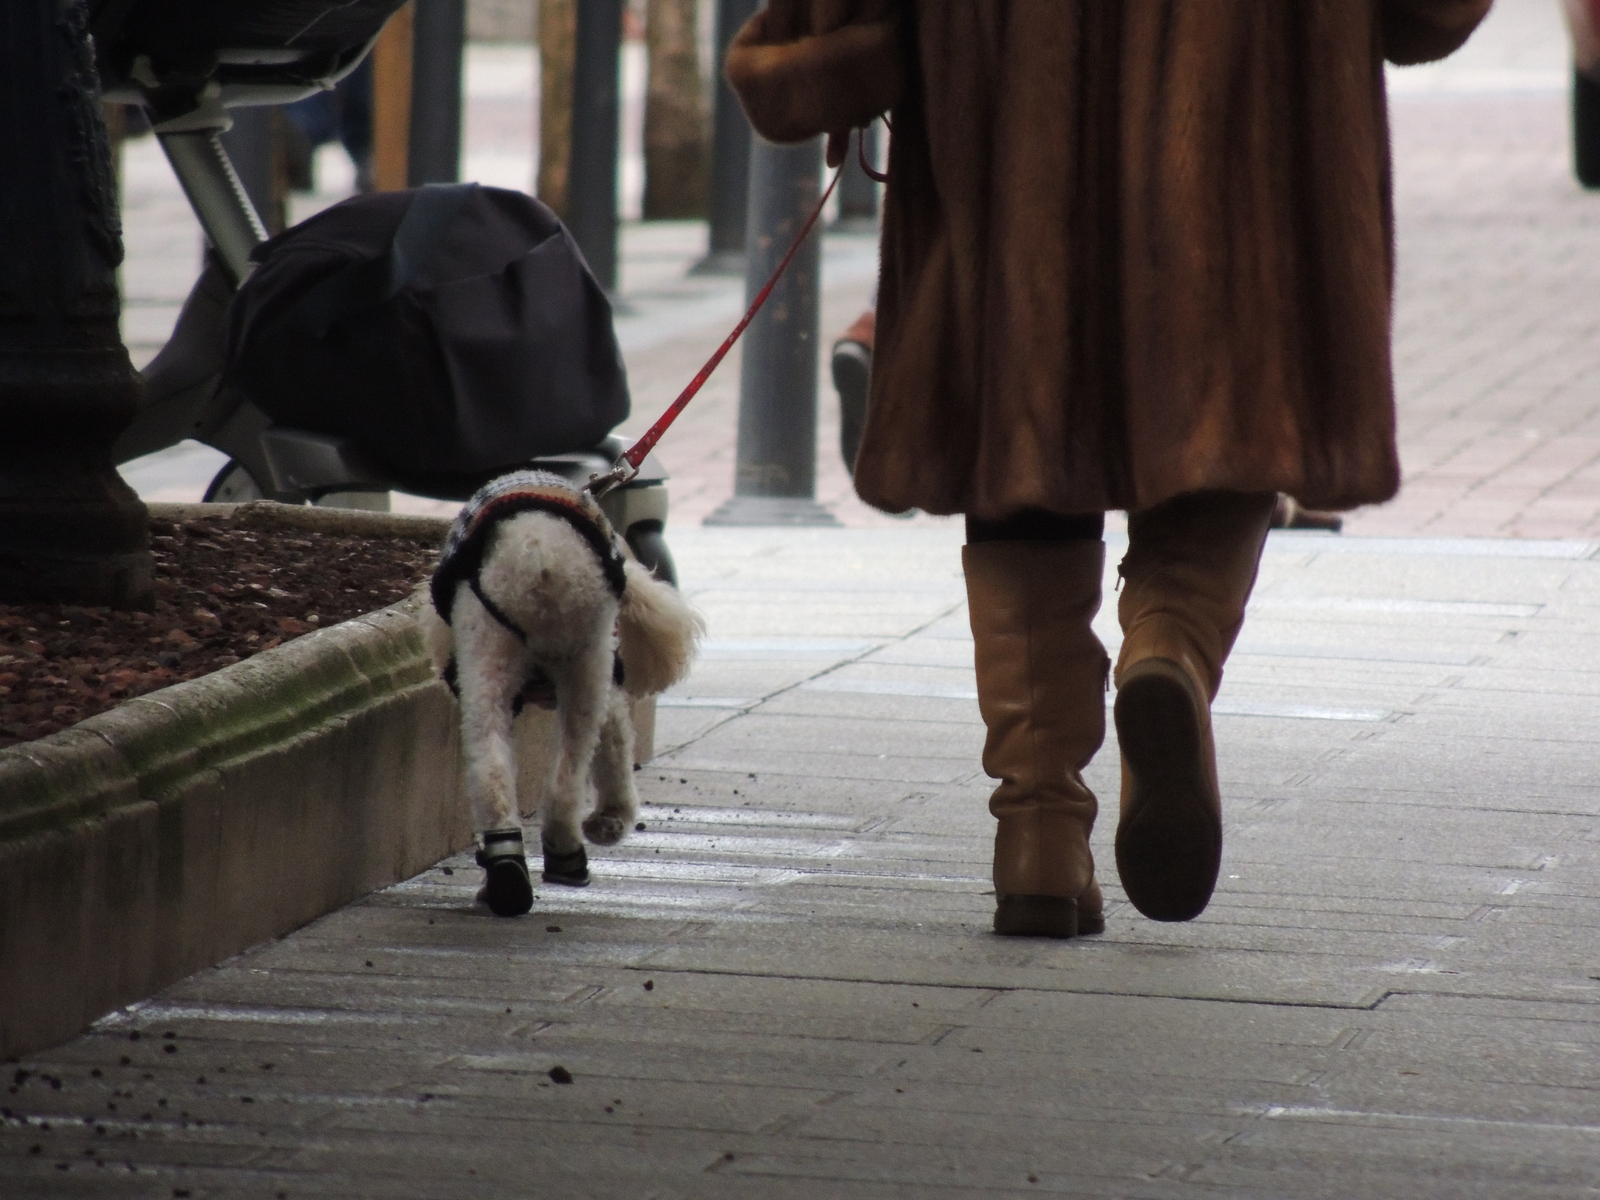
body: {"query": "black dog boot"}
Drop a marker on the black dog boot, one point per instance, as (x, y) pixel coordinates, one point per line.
(570, 868)
(506, 889)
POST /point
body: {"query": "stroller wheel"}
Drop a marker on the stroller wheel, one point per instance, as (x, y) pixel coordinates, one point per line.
(234, 485)
(649, 546)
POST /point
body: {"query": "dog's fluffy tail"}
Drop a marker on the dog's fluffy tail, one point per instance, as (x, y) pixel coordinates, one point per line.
(657, 631)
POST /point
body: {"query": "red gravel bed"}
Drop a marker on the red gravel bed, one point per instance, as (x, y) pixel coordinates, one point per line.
(222, 594)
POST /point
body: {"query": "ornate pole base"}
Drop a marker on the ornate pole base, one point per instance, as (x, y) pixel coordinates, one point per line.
(70, 530)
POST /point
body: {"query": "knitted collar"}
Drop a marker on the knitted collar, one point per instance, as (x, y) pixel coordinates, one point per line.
(505, 497)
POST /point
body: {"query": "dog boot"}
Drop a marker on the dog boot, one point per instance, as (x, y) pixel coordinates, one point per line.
(1041, 690)
(506, 888)
(569, 867)
(1190, 567)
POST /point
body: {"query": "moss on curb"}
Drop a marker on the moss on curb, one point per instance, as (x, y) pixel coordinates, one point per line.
(152, 744)
(156, 743)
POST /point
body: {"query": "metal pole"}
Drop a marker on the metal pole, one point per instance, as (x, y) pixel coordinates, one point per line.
(70, 529)
(858, 191)
(775, 480)
(439, 30)
(596, 108)
(730, 155)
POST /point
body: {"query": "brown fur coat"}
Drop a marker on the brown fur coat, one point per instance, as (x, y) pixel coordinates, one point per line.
(1131, 248)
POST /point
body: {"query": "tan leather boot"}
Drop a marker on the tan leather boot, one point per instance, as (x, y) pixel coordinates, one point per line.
(1041, 690)
(1191, 564)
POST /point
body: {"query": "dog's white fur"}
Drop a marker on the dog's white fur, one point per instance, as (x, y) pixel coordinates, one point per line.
(542, 574)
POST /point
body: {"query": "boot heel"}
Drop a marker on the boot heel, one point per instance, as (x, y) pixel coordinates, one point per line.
(1038, 916)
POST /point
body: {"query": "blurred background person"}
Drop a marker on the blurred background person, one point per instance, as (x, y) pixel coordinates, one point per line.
(343, 115)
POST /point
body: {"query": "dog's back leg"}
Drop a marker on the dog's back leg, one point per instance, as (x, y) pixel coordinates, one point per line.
(490, 668)
(617, 805)
(583, 685)
(489, 672)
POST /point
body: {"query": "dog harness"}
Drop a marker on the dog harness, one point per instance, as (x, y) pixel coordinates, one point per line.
(468, 542)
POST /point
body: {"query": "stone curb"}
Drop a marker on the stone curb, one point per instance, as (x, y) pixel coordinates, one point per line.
(187, 824)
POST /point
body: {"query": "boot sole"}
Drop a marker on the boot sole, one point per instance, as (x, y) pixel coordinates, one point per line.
(1169, 842)
(506, 887)
(1043, 916)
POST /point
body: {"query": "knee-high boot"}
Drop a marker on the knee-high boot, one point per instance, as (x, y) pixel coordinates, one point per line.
(1190, 567)
(1041, 690)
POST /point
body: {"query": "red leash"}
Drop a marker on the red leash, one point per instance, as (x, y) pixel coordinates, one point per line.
(628, 465)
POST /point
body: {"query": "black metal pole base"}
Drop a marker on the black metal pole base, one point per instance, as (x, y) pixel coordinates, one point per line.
(771, 510)
(71, 531)
(720, 262)
(111, 565)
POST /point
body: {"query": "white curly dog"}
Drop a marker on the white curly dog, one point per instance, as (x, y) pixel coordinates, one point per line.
(536, 600)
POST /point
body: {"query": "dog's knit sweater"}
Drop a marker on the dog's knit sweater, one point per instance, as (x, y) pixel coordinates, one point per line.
(506, 497)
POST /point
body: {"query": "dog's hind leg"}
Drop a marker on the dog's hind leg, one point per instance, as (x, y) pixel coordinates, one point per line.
(489, 670)
(617, 804)
(583, 684)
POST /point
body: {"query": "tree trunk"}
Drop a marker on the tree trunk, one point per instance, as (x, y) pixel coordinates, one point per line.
(677, 115)
(558, 39)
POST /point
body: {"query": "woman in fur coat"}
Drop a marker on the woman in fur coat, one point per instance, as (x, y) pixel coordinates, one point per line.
(1137, 254)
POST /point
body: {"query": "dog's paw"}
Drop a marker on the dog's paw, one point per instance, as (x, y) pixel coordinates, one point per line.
(604, 829)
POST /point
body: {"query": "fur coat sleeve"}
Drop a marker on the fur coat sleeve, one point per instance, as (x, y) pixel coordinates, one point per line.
(804, 67)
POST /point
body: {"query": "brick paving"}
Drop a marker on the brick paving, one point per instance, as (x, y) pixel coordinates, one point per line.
(1497, 332)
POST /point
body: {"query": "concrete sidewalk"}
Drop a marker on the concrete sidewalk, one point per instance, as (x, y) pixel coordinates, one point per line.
(785, 985)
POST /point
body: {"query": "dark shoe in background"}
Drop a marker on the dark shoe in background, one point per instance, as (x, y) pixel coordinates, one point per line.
(1586, 130)
(343, 115)
(852, 368)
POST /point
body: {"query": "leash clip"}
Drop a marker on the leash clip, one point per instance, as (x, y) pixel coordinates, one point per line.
(623, 473)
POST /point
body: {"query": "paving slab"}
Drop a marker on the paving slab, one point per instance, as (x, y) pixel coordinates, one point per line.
(1394, 992)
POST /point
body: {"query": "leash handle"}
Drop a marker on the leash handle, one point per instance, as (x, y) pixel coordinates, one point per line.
(628, 465)
(871, 172)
